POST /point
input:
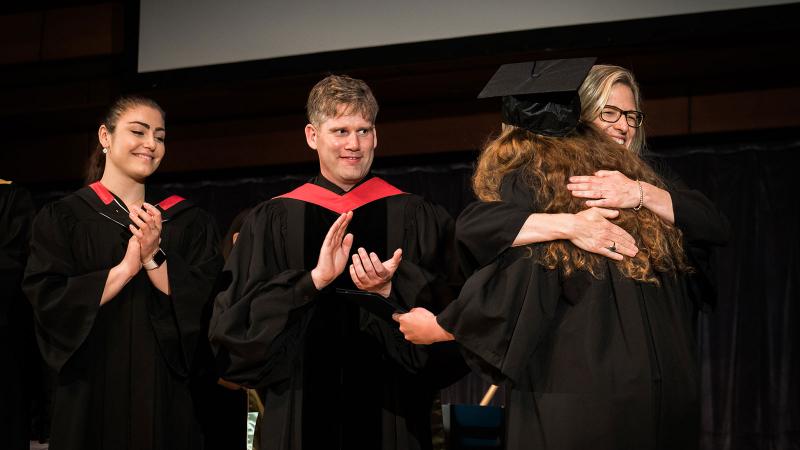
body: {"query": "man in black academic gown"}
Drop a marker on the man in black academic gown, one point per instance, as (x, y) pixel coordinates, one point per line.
(16, 321)
(293, 320)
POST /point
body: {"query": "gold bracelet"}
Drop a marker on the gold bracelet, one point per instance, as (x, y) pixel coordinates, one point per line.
(641, 197)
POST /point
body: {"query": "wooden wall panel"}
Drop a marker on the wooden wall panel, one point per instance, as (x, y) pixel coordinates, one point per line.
(48, 159)
(667, 116)
(216, 147)
(250, 143)
(20, 37)
(444, 134)
(274, 141)
(24, 99)
(81, 31)
(739, 111)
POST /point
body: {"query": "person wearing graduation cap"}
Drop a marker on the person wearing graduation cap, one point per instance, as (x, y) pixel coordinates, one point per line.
(118, 275)
(594, 352)
(611, 103)
(310, 286)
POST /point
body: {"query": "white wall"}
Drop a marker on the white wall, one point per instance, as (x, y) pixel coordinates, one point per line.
(188, 33)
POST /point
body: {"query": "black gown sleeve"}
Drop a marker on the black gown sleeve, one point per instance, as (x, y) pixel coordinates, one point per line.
(427, 277)
(257, 321)
(502, 314)
(704, 227)
(193, 264)
(486, 229)
(702, 223)
(16, 323)
(16, 214)
(65, 302)
(505, 306)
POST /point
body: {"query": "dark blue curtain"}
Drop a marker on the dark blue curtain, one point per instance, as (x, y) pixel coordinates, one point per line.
(750, 343)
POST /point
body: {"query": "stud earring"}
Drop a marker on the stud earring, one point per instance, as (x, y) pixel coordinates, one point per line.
(105, 150)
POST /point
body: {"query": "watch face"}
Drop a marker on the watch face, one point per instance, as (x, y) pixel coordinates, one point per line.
(159, 257)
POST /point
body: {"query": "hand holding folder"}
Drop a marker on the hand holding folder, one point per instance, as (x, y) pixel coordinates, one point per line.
(373, 303)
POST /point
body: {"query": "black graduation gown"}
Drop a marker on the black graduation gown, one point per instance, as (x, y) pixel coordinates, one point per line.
(486, 229)
(122, 368)
(331, 374)
(16, 322)
(589, 363)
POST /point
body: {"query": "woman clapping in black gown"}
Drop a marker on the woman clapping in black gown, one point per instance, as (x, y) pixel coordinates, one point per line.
(118, 276)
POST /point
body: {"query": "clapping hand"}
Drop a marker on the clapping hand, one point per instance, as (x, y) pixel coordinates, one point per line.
(334, 253)
(372, 275)
(147, 230)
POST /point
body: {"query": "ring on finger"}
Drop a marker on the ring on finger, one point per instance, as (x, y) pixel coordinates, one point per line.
(612, 247)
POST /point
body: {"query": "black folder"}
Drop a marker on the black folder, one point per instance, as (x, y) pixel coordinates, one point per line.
(373, 303)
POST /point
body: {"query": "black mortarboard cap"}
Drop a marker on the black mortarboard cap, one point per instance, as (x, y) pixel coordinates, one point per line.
(540, 96)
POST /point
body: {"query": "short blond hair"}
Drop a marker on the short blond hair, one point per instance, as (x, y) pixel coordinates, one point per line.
(596, 89)
(334, 91)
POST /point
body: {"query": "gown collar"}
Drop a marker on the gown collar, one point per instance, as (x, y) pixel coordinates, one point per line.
(110, 206)
(322, 192)
(321, 181)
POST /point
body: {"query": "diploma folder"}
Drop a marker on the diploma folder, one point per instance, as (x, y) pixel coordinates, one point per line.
(373, 303)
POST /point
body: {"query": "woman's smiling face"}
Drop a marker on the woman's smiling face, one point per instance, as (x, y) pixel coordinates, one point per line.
(136, 146)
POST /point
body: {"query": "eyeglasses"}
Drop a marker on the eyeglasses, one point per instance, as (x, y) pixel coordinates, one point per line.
(611, 114)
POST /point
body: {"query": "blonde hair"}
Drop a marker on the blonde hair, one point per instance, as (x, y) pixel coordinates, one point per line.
(334, 91)
(546, 163)
(596, 89)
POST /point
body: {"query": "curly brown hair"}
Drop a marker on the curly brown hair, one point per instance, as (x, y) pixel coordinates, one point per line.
(547, 163)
